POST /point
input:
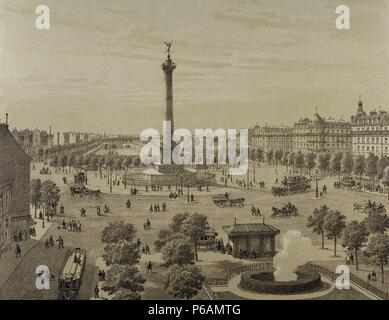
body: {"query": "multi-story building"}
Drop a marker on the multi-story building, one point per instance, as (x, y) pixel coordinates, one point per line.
(15, 219)
(370, 132)
(271, 138)
(306, 135)
(320, 135)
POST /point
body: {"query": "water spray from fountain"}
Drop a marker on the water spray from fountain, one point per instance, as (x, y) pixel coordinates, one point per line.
(296, 250)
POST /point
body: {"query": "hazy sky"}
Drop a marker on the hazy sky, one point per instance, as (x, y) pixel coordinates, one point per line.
(239, 62)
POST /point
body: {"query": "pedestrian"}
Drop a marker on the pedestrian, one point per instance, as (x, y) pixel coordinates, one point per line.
(149, 267)
(60, 243)
(18, 251)
(97, 292)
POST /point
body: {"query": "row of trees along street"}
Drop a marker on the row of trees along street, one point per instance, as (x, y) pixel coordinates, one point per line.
(369, 233)
(94, 162)
(338, 163)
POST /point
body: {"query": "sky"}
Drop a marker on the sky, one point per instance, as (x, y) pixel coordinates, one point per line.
(239, 63)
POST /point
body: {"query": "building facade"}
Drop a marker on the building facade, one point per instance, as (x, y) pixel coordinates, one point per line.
(306, 135)
(322, 135)
(15, 219)
(252, 239)
(370, 132)
(271, 138)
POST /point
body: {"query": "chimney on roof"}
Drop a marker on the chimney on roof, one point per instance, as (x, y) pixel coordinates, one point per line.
(6, 118)
(234, 220)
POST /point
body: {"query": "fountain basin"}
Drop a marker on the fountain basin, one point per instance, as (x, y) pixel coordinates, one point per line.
(265, 282)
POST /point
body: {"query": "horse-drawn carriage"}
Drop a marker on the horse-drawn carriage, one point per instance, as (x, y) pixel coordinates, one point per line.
(83, 191)
(291, 184)
(79, 189)
(369, 207)
(289, 210)
(224, 200)
(70, 278)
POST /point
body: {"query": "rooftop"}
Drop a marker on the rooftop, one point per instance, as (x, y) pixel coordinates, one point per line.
(250, 228)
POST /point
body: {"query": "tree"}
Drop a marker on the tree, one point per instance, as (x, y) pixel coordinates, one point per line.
(354, 237)
(41, 153)
(194, 226)
(184, 282)
(63, 161)
(278, 156)
(348, 163)
(118, 230)
(35, 193)
(291, 159)
(382, 164)
(285, 157)
(54, 162)
(377, 222)
(260, 156)
(122, 252)
(178, 221)
(269, 156)
(299, 161)
(371, 166)
(71, 161)
(378, 247)
(174, 231)
(360, 166)
(94, 163)
(316, 221)
(310, 161)
(127, 161)
(79, 162)
(123, 282)
(334, 223)
(324, 162)
(50, 195)
(101, 163)
(177, 251)
(336, 163)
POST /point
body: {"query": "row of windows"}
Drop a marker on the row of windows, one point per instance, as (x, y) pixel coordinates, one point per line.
(370, 121)
(372, 140)
(370, 128)
(370, 148)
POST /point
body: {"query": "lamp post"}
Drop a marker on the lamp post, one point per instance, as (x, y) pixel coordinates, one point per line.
(317, 178)
(181, 191)
(86, 175)
(125, 179)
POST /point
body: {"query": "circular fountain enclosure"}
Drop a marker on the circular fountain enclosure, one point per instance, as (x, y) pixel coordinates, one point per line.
(265, 282)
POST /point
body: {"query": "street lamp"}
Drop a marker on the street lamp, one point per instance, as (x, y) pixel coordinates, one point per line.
(125, 179)
(317, 178)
